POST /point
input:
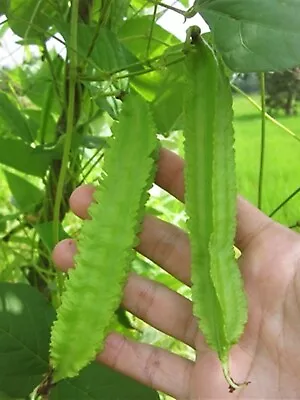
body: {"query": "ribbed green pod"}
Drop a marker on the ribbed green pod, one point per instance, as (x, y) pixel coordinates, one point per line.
(218, 294)
(105, 246)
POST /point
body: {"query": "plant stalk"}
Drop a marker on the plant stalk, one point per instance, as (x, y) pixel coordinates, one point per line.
(69, 130)
(263, 140)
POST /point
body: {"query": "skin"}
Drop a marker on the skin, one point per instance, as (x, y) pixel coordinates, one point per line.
(268, 353)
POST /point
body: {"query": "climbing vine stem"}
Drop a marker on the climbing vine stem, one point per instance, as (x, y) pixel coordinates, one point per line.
(263, 139)
(72, 78)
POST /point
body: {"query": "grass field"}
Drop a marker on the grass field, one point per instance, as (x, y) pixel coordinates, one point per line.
(282, 161)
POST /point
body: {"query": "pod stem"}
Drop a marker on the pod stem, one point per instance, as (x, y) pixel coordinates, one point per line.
(232, 384)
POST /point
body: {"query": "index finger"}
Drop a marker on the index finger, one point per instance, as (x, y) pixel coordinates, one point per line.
(251, 222)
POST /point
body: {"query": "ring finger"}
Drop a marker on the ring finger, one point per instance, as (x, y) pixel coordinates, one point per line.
(154, 303)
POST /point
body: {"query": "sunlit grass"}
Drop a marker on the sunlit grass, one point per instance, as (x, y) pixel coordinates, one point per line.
(281, 175)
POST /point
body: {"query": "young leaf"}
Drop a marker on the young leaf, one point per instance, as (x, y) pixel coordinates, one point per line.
(13, 119)
(219, 300)
(94, 288)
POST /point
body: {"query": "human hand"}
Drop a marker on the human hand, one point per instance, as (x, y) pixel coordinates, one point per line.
(268, 353)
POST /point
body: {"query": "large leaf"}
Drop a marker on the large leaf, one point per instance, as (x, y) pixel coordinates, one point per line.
(168, 104)
(255, 35)
(25, 320)
(18, 155)
(3, 6)
(38, 84)
(100, 382)
(13, 119)
(26, 194)
(102, 42)
(30, 18)
(135, 32)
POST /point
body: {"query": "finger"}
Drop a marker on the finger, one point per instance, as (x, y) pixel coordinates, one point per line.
(167, 246)
(252, 224)
(63, 254)
(149, 365)
(157, 305)
(160, 241)
(81, 199)
(162, 308)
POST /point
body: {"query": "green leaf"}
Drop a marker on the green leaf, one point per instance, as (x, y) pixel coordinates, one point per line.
(3, 7)
(18, 155)
(3, 223)
(100, 382)
(35, 123)
(13, 119)
(5, 218)
(255, 35)
(39, 83)
(147, 85)
(30, 18)
(3, 396)
(25, 320)
(168, 103)
(104, 42)
(104, 255)
(45, 231)
(93, 142)
(135, 32)
(24, 192)
(117, 13)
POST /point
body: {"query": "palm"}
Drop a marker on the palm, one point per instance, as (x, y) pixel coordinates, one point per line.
(269, 352)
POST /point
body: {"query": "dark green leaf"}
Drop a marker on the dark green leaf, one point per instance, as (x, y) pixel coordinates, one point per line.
(255, 35)
(30, 18)
(13, 119)
(18, 155)
(3, 223)
(97, 382)
(93, 142)
(104, 42)
(39, 84)
(25, 320)
(3, 6)
(105, 105)
(35, 123)
(123, 318)
(26, 194)
(118, 10)
(45, 232)
(4, 396)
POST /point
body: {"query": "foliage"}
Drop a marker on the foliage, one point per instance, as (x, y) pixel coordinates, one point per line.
(57, 111)
(283, 90)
